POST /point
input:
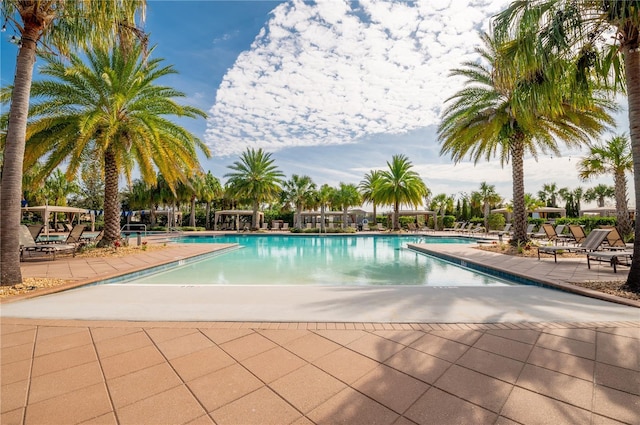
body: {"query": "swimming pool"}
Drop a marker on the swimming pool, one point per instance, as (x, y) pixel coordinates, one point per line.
(320, 260)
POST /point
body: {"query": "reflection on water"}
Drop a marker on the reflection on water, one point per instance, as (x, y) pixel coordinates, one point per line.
(313, 260)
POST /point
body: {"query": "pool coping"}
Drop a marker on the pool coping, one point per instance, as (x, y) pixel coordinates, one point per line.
(522, 278)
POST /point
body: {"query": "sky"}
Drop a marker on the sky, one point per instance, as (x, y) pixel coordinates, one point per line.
(333, 89)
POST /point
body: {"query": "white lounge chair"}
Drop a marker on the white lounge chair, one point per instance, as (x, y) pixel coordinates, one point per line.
(27, 244)
(592, 242)
(615, 258)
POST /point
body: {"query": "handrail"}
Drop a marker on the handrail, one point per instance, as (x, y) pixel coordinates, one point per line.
(128, 227)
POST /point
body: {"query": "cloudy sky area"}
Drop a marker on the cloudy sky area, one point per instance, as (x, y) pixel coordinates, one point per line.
(333, 88)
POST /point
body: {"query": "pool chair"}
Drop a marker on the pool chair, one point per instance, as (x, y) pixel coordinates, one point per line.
(529, 230)
(479, 228)
(577, 233)
(504, 231)
(285, 226)
(464, 227)
(455, 228)
(553, 235)
(28, 244)
(380, 227)
(614, 258)
(275, 225)
(592, 242)
(614, 240)
(35, 230)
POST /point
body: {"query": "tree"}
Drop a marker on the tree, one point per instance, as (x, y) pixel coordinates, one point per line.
(60, 25)
(573, 199)
(298, 190)
(324, 197)
(256, 178)
(603, 35)
(57, 187)
(489, 197)
(613, 157)
(115, 110)
(368, 189)
(211, 190)
(440, 203)
(345, 197)
(599, 193)
(507, 113)
(400, 185)
(549, 194)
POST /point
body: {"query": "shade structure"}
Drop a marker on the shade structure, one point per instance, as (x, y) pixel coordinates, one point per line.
(543, 212)
(45, 210)
(237, 214)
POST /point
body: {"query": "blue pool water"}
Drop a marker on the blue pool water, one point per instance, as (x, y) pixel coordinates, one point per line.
(314, 260)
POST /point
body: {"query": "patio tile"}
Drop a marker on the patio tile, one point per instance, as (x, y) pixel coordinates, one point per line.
(247, 346)
(141, 384)
(601, 420)
(17, 338)
(202, 420)
(15, 372)
(467, 337)
(351, 407)
(261, 407)
(618, 378)
(62, 342)
(101, 334)
(584, 335)
(475, 387)
(201, 363)
(64, 381)
(13, 417)
(70, 408)
(9, 328)
(13, 396)
(531, 408)
(61, 360)
(106, 419)
(46, 332)
(273, 364)
(282, 337)
(393, 389)
(159, 335)
(437, 407)
(420, 365)
(617, 404)
(345, 364)
(561, 362)
(505, 347)
(440, 347)
(220, 336)
(610, 346)
(176, 405)
(122, 344)
(190, 343)
(491, 364)
(131, 361)
(16, 353)
(342, 337)
(553, 384)
(311, 347)
(307, 387)
(399, 336)
(566, 345)
(224, 386)
(526, 336)
(375, 347)
(504, 421)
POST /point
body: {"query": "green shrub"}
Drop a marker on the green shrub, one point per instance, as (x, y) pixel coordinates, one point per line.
(496, 221)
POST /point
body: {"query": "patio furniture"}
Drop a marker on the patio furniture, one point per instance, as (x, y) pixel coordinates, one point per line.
(35, 230)
(615, 258)
(577, 232)
(28, 244)
(591, 243)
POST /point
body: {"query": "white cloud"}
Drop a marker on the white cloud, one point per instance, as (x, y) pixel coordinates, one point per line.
(336, 72)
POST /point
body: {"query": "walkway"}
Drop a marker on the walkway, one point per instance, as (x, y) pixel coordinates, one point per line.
(298, 372)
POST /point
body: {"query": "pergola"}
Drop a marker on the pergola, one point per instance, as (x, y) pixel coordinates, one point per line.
(543, 212)
(416, 213)
(316, 215)
(236, 214)
(45, 210)
(606, 211)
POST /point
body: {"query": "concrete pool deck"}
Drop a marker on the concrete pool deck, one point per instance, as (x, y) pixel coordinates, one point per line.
(575, 360)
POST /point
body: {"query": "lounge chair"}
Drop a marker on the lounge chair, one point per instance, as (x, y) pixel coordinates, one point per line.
(477, 229)
(35, 230)
(455, 228)
(577, 232)
(380, 227)
(265, 226)
(504, 231)
(28, 244)
(285, 226)
(464, 227)
(308, 226)
(614, 240)
(553, 235)
(412, 227)
(612, 257)
(592, 243)
(275, 225)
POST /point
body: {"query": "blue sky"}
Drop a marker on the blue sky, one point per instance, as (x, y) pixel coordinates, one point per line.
(332, 88)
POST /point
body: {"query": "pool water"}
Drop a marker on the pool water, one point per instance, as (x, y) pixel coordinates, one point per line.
(318, 260)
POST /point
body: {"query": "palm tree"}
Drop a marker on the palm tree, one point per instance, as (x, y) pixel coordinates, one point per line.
(613, 157)
(211, 190)
(549, 194)
(56, 189)
(368, 189)
(256, 178)
(599, 194)
(298, 190)
(324, 197)
(505, 113)
(440, 204)
(113, 109)
(61, 25)
(572, 199)
(605, 35)
(345, 197)
(489, 197)
(400, 185)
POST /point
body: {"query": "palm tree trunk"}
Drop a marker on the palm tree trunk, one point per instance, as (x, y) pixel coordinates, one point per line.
(517, 174)
(11, 188)
(622, 211)
(299, 216)
(207, 222)
(111, 204)
(192, 218)
(396, 216)
(375, 215)
(322, 210)
(344, 217)
(254, 220)
(486, 217)
(632, 71)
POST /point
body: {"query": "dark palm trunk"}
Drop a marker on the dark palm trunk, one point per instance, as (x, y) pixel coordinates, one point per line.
(192, 218)
(517, 174)
(207, 221)
(11, 188)
(632, 71)
(111, 204)
(622, 211)
(254, 219)
(396, 216)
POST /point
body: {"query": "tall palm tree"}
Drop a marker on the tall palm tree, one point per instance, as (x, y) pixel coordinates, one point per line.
(298, 191)
(345, 197)
(599, 194)
(255, 178)
(605, 35)
(573, 199)
(549, 194)
(507, 113)
(211, 190)
(368, 189)
(114, 109)
(440, 204)
(400, 185)
(61, 25)
(489, 197)
(324, 197)
(613, 157)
